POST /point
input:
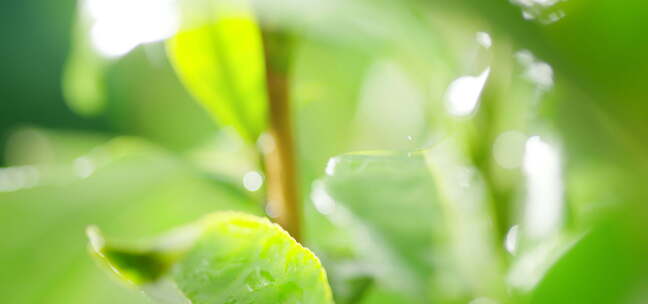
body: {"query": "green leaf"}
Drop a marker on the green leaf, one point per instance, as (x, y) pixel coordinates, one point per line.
(386, 201)
(224, 258)
(218, 56)
(416, 219)
(607, 265)
(126, 186)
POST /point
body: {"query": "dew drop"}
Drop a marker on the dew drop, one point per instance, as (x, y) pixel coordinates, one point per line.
(252, 181)
(511, 240)
(484, 39)
(258, 279)
(462, 95)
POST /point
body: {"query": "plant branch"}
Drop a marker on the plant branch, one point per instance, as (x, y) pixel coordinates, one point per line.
(280, 160)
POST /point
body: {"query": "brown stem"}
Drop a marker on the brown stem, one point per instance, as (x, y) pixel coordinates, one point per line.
(282, 190)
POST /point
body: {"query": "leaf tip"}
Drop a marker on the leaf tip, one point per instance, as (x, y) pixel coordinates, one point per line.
(97, 241)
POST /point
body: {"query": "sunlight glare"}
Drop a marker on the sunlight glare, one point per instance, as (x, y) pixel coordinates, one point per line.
(118, 26)
(463, 93)
(542, 166)
(252, 181)
(540, 10)
(484, 39)
(510, 243)
(18, 178)
(538, 72)
(322, 201)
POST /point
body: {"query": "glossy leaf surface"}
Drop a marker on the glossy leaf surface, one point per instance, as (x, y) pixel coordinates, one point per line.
(218, 56)
(224, 258)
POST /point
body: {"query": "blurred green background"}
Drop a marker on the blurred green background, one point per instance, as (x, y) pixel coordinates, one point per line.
(448, 152)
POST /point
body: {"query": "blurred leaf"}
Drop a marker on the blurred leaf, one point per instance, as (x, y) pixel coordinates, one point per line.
(38, 146)
(218, 56)
(416, 220)
(84, 86)
(226, 257)
(387, 203)
(608, 265)
(531, 264)
(147, 100)
(469, 222)
(127, 187)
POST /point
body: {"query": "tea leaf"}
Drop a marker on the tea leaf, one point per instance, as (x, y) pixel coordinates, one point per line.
(226, 257)
(218, 56)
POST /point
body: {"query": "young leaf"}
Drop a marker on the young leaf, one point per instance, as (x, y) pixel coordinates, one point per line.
(218, 56)
(387, 202)
(416, 218)
(224, 258)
